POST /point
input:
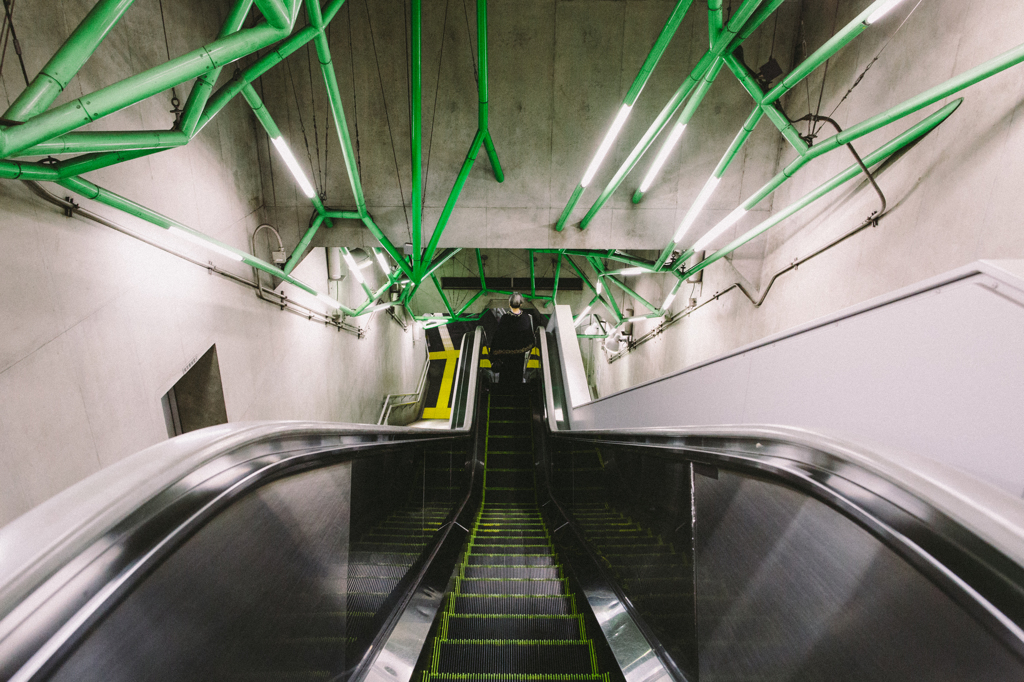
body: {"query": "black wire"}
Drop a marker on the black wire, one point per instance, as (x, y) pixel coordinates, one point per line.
(387, 116)
(167, 46)
(824, 77)
(437, 89)
(302, 125)
(316, 133)
(9, 22)
(774, 33)
(872, 62)
(469, 41)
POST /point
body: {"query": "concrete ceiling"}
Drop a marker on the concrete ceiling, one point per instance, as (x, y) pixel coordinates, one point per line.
(558, 72)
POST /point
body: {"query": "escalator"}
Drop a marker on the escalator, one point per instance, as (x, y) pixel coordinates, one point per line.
(508, 549)
(511, 614)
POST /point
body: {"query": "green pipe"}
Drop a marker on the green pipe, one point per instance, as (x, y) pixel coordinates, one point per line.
(739, 141)
(632, 293)
(443, 297)
(822, 54)
(22, 170)
(684, 118)
(416, 142)
(480, 267)
(569, 206)
(558, 272)
(448, 255)
(750, 25)
(105, 101)
(631, 260)
(203, 87)
(300, 248)
(337, 109)
(453, 196)
(77, 143)
(723, 164)
(533, 273)
(382, 238)
(668, 111)
(751, 85)
(913, 133)
(104, 196)
(657, 50)
(343, 215)
(482, 89)
(275, 12)
(233, 87)
(609, 300)
(90, 162)
(639, 81)
(471, 302)
(66, 62)
(716, 20)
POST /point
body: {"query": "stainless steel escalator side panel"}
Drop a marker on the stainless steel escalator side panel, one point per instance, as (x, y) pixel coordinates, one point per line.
(63, 564)
(980, 578)
(393, 657)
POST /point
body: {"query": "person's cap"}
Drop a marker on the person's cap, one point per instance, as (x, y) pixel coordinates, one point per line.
(515, 300)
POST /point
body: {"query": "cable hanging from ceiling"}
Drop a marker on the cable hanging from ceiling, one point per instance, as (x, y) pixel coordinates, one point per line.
(175, 102)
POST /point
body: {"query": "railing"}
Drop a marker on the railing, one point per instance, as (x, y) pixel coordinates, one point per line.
(67, 564)
(396, 400)
(947, 543)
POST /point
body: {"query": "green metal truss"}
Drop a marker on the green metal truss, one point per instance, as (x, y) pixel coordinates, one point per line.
(32, 127)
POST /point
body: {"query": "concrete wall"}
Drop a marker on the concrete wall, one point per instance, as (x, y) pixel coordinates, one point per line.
(953, 198)
(97, 326)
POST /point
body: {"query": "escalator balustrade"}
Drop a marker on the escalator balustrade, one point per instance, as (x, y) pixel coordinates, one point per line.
(511, 614)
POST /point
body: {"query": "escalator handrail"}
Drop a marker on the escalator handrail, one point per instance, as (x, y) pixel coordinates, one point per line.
(466, 379)
(982, 578)
(41, 551)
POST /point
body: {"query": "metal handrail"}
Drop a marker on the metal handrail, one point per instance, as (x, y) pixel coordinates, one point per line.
(389, 404)
(65, 562)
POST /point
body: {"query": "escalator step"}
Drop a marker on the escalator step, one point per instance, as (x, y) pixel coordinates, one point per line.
(387, 558)
(511, 544)
(508, 657)
(524, 605)
(516, 587)
(514, 627)
(481, 559)
(512, 572)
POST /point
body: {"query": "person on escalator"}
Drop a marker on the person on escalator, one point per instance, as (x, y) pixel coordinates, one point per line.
(512, 340)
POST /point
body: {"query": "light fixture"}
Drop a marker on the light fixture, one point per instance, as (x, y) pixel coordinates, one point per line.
(324, 298)
(613, 344)
(196, 239)
(382, 261)
(593, 329)
(720, 228)
(632, 271)
(293, 166)
(659, 160)
(582, 316)
(600, 286)
(881, 11)
(696, 208)
(671, 295)
(606, 144)
(636, 318)
(376, 308)
(352, 266)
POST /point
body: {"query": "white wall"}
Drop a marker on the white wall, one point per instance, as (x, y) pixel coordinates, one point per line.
(96, 326)
(954, 198)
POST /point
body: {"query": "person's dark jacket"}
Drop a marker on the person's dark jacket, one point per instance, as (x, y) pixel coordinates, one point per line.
(514, 334)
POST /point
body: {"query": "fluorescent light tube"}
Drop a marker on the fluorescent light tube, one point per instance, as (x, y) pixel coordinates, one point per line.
(352, 267)
(324, 298)
(600, 287)
(606, 144)
(720, 228)
(881, 11)
(383, 262)
(196, 239)
(582, 316)
(659, 160)
(668, 300)
(632, 271)
(293, 166)
(696, 208)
